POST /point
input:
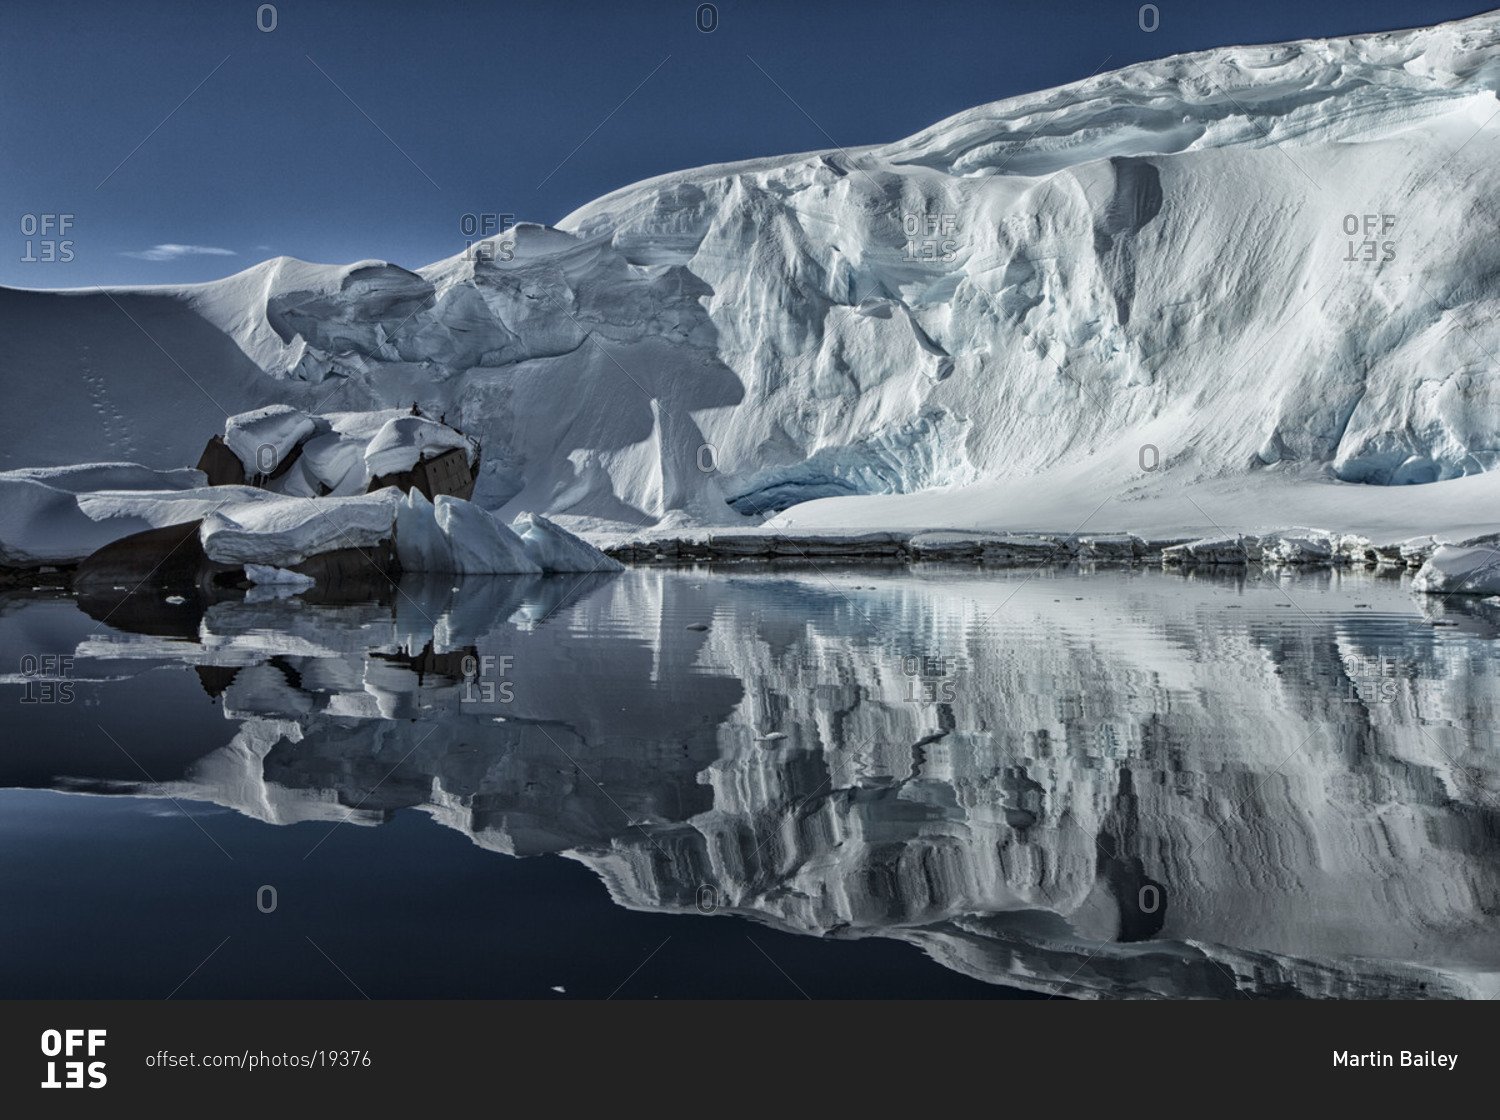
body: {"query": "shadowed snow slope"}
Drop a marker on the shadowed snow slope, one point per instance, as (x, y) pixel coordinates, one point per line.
(1264, 262)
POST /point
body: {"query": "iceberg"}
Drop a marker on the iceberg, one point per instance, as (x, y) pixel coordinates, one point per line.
(553, 549)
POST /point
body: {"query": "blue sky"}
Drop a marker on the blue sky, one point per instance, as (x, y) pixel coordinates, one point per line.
(358, 130)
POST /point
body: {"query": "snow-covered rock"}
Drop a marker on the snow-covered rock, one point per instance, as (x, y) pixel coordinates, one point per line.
(283, 532)
(553, 549)
(404, 440)
(263, 438)
(1456, 570)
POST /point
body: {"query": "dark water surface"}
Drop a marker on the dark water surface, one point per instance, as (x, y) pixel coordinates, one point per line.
(751, 783)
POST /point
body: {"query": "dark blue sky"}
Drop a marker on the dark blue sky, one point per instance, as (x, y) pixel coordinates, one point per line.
(409, 116)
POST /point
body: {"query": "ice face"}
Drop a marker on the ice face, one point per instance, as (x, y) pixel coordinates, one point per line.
(1185, 255)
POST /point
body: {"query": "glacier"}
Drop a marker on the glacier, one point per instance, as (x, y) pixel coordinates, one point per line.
(1224, 291)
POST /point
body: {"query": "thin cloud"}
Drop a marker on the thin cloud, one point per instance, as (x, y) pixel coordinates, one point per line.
(177, 252)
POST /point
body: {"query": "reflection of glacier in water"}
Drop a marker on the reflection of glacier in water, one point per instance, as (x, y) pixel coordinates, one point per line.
(1092, 784)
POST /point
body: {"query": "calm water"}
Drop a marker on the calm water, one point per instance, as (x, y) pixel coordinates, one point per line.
(823, 782)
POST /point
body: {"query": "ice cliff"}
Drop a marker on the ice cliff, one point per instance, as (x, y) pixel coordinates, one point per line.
(1268, 263)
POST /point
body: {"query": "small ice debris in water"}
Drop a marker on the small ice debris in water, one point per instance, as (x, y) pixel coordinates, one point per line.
(176, 600)
(697, 626)
(498, 719)
(559, 989)
(769, 736)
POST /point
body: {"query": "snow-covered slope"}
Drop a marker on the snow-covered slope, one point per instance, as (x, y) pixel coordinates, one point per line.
(1153, 268)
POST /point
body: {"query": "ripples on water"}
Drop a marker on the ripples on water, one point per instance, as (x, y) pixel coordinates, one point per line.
(1110, 783)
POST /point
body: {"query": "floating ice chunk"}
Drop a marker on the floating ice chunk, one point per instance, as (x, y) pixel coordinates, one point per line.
(1236, 549)
(1414, 552)
(266, 575)
(1111, 546)
(1456, 570)
(1298, 546)
(553, 549)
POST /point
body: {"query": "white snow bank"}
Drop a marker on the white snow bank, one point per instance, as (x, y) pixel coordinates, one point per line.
(109, 476)
(283, 531)
(262, 439)
(553, 549)
(401, 442)
(456, 537)
(153, 509)
(1459, 570)
(43, 523)
(337, 461)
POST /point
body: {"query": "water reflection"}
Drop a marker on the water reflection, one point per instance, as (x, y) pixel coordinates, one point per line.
(1116, 784)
